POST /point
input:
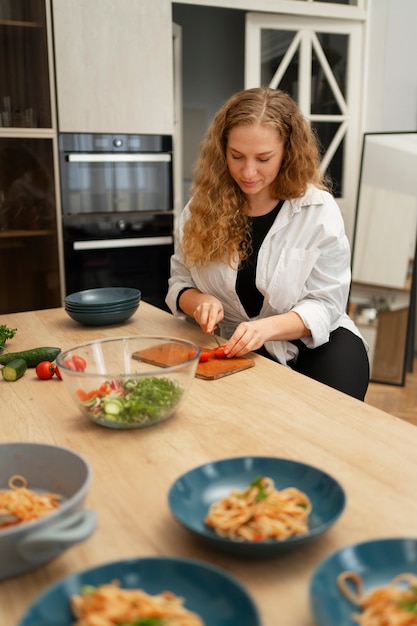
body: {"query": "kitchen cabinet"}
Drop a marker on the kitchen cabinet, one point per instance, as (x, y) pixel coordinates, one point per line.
(24, 83)
(30, 275)
(385, 332)
(391, 337)
(114, 66)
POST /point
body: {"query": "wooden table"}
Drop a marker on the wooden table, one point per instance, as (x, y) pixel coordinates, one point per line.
(267, 410)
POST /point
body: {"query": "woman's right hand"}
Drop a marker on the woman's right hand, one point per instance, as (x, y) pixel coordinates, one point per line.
(207, 310)
(208, 313)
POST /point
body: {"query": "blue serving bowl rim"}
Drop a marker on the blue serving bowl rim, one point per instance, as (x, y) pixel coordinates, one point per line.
(102, 308)
(102, 312)
(71, 584)
(357, 558)
(73, 298)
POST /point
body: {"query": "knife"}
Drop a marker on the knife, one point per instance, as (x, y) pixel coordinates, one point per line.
(216, 338)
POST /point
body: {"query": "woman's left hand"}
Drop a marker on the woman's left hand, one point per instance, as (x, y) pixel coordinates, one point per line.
(247, 337)
(250, 336)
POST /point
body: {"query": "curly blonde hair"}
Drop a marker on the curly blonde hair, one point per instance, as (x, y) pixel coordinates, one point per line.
(218, 228)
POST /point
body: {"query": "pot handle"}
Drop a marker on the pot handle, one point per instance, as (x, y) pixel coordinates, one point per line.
(47, 543)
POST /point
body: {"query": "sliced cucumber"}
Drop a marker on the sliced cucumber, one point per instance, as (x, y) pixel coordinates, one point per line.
(14, 370)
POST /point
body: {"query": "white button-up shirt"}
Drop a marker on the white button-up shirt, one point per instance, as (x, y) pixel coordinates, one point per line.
(303, 266)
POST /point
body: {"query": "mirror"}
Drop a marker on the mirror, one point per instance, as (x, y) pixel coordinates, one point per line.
(382, 298)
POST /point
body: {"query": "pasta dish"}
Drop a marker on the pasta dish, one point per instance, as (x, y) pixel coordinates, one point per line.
(260, 512)
(110, 605)
(19, 504)
(391, 605)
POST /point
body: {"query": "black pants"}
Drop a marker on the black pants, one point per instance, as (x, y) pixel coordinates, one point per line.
(341, 363)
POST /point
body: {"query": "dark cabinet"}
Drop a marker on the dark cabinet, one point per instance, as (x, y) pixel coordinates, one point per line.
(29, 246)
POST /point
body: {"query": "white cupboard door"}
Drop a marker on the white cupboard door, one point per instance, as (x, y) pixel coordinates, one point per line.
(318, 62)
(114, 66)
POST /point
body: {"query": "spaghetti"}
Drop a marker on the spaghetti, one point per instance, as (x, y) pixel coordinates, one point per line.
(260, 512)
(19, 504)
(109, 605)
(391, 605)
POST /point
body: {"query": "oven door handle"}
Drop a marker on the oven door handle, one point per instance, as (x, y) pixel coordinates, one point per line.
(118, 158)
(130, 242)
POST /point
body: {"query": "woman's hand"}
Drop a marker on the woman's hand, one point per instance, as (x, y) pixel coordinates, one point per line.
(250, 336)
(208, 313)
(207, 310)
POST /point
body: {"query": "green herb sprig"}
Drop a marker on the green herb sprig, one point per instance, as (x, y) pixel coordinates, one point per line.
(258, 484)
(6, 333)
(410, 605)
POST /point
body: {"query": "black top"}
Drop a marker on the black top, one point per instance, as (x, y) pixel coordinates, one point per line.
(252, 299)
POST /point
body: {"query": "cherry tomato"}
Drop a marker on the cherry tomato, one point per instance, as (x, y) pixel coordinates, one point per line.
(79, 363)
(205, 355)
(219, 353)
(45, 370)
(57, 372)
(103, 390)
(76, 363)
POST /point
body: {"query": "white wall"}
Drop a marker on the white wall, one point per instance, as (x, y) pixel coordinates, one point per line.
(391, 78)
(210, 73)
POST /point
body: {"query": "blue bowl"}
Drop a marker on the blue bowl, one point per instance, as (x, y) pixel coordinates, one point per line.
(101, 308)
(192, 494)
(377, 562)
(103, 296)
(105, 318)
(210, 592)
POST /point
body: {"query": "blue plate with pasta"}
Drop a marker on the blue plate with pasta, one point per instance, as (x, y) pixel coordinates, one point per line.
(212, 596)
(277, 504)
(335, 597)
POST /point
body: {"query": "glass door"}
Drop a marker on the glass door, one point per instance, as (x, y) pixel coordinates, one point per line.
(29, 266)
(318, 62)
(24, 74)
(30, 275)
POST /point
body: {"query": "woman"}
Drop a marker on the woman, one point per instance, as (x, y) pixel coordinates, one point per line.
(261, 250)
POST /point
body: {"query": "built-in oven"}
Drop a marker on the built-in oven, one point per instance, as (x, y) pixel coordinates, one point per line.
(117, 212)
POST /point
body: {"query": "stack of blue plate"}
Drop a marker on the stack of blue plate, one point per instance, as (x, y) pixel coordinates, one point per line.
(103, 306)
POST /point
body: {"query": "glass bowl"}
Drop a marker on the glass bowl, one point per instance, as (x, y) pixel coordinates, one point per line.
(129, 382)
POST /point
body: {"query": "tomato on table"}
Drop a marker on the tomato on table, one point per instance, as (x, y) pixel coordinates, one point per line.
(45, 370)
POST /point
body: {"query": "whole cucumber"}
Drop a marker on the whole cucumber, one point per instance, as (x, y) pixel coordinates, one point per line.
(32, 357)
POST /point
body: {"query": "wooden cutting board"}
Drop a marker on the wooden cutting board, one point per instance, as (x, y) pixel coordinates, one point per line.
(166, 355)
